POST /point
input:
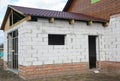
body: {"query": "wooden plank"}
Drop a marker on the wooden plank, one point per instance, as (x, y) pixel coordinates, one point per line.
(7, 27)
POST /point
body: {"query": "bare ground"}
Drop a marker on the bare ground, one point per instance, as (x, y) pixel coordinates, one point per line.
(9, 76)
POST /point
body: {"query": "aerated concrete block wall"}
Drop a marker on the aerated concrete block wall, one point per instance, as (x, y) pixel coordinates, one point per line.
(34, 48)
(112, 40)
(112, 45)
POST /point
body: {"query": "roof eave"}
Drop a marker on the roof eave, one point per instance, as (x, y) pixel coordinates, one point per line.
(84, 20)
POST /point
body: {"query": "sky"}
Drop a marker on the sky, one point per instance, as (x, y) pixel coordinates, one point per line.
(42, 4)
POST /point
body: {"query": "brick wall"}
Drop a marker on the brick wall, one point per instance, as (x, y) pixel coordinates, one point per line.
(102, 9)
(50, 70)
(110, 66)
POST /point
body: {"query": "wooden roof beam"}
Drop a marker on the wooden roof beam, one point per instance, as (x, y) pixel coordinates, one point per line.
(106, 24)
(89, 22)
(72, 21)
(52, 20)
(28, 18)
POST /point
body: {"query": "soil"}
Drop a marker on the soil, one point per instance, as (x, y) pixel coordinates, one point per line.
(9, 76)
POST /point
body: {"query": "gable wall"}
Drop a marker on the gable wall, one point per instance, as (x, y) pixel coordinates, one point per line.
(7, 25)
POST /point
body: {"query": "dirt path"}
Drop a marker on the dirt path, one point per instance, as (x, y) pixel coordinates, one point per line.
(9, 76)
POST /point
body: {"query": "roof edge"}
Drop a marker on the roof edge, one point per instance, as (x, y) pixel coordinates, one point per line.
(6, 16)
(10, 6)
(69, 2)
(4, 19)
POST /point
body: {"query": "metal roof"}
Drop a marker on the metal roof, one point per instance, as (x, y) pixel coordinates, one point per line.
(54, 14)
(49, 14)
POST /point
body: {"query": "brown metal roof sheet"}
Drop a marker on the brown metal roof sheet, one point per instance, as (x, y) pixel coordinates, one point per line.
(50, 14)
(55, 14)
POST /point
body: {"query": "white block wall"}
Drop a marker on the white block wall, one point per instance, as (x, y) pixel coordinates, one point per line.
(34, 48)
(112, 40)
(5, 39)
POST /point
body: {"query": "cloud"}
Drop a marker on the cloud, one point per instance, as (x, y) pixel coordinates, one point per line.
(3, 3)
(44, 4)
(0, 21)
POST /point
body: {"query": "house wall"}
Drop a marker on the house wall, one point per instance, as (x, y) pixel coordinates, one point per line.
(11, 29)
(38, 59)
(102, 9)
(33, 39)
(112, 45)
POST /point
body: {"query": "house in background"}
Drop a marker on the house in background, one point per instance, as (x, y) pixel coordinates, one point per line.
(40, 43)
(97, 8)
